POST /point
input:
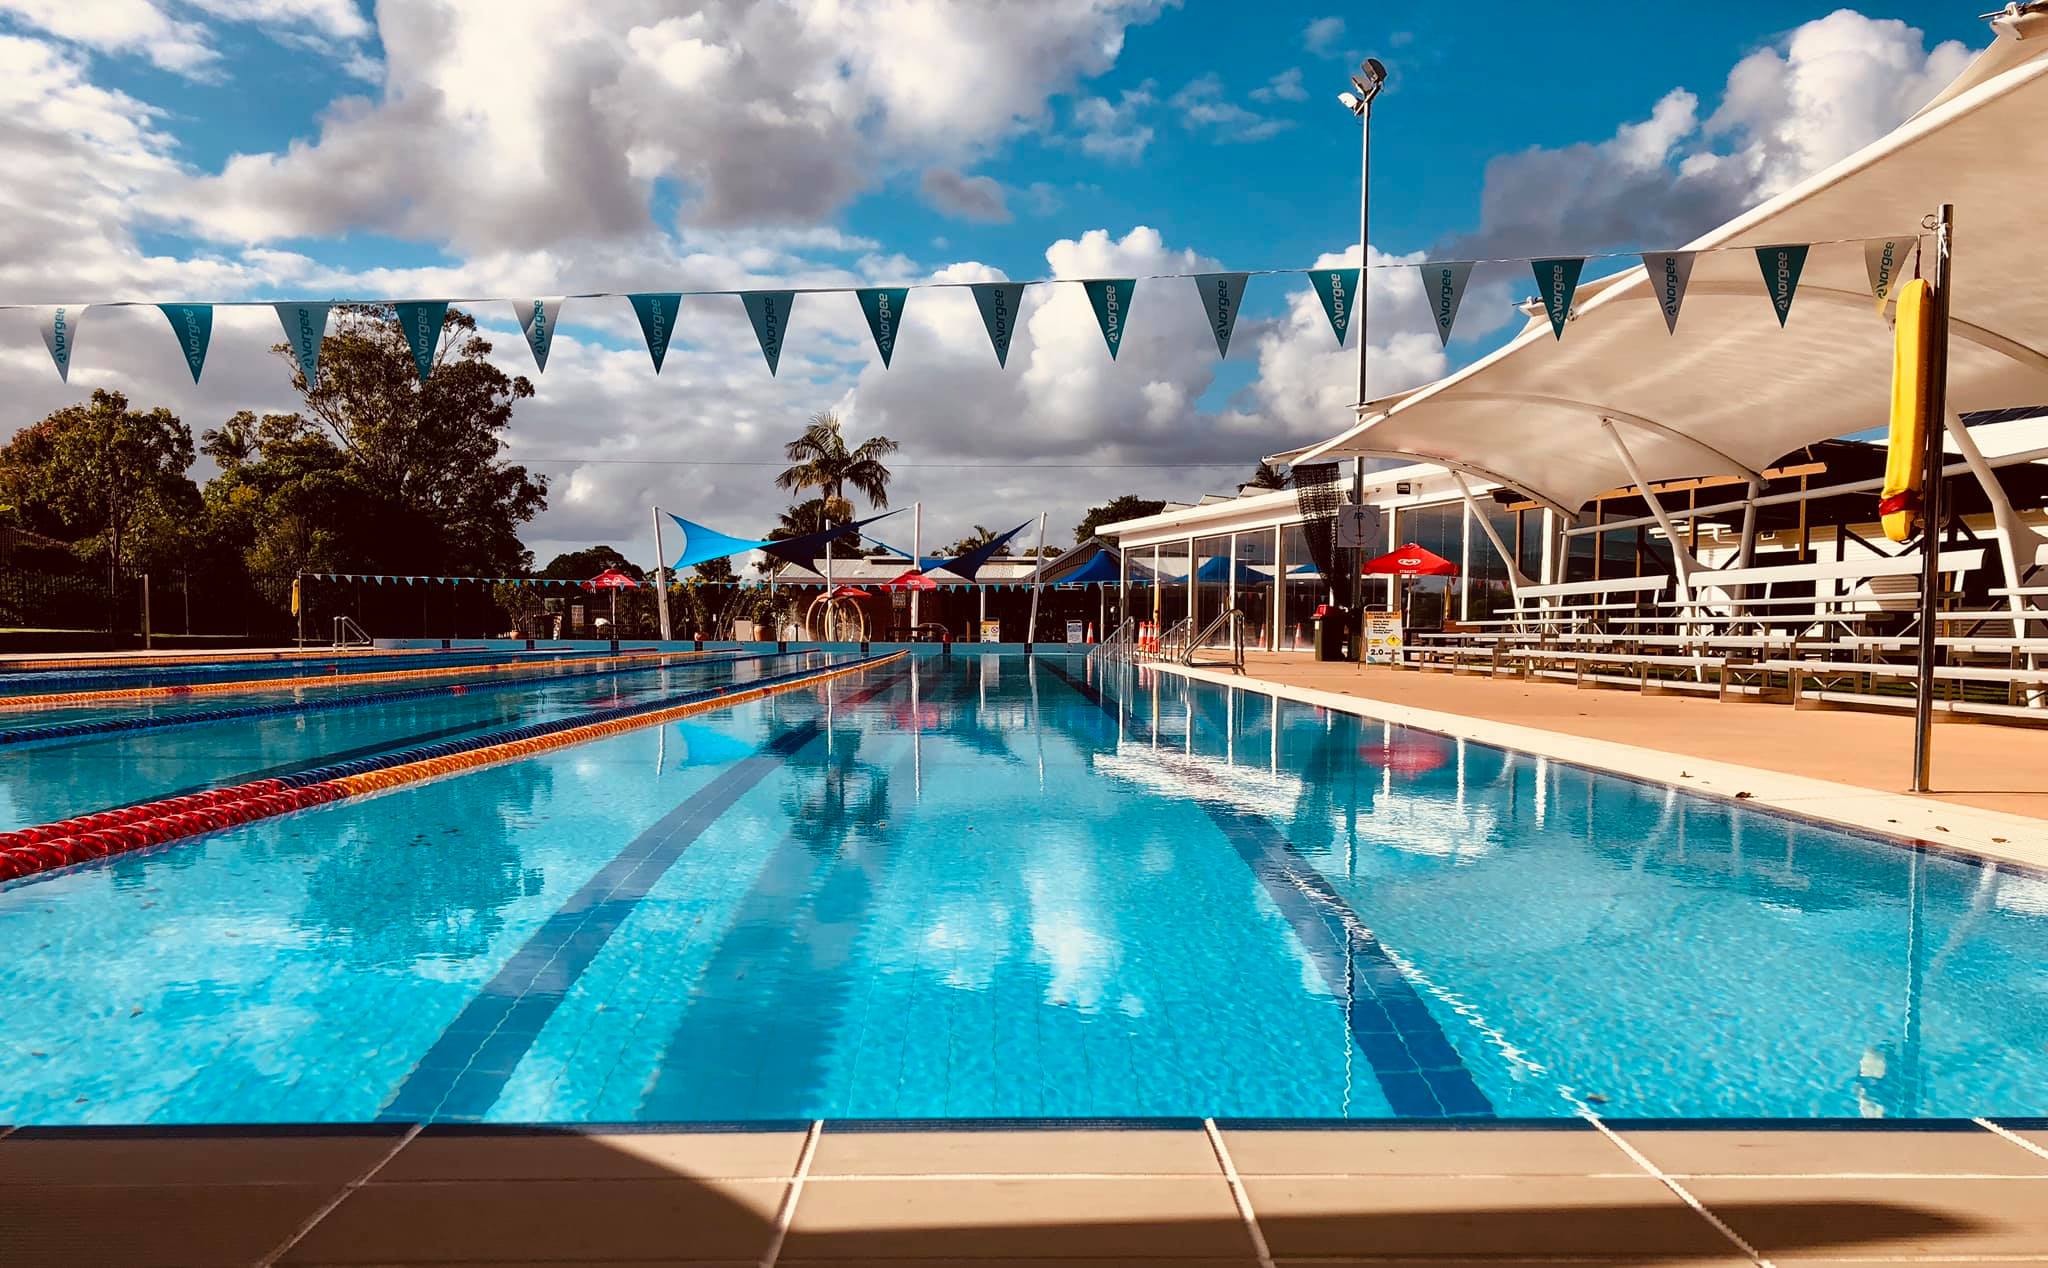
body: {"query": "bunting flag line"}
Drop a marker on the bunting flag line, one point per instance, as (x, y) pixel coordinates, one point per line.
(1670, 273)
(769, 311)
(305, 325)
(657, 314)
(1336, 287)
(60, 330)
(1781, 266)
(193, 324)
(883, 307)
(1443, 285)
(1221, 294)
(998, 303)
(421, 321)
(1110, 297)
(1557, 281)
(1885, 259)
(537, 319)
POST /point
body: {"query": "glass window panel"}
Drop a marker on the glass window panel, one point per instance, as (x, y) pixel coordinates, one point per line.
(1255, 568)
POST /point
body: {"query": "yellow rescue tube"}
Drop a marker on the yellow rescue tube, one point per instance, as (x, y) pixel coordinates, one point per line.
(1912, 342)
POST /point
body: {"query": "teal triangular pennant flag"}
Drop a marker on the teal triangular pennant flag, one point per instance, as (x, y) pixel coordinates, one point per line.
(769, 311)
(537, 319)
(999, 302)
(1221, 294)
(883, 307)
(1557, 281)
(657, 314)
(193, 324)
(304, 327)
(1110, 297)
(1443, 285)
(421, 322)
(1781, 266)
(1339, 291)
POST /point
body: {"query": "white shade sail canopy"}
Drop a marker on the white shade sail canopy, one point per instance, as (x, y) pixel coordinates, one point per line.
(1730, 392)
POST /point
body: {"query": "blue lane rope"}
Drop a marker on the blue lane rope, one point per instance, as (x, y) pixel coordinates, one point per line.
(196, 717)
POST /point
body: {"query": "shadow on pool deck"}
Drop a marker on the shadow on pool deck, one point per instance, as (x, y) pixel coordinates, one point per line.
(363, 1195)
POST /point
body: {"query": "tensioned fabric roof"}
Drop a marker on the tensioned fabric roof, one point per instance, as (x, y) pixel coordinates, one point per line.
(1730, 392)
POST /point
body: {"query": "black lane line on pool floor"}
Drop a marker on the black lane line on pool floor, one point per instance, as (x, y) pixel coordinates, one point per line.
(462, 1075)
(765, 921)
(1419, 1071)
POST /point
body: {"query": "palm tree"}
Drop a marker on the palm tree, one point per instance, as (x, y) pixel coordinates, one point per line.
(981, 536)
(820, 460)
(1267, 476)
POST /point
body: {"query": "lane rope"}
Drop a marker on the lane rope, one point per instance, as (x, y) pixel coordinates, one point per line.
(108, 726)
(331, 680)
(30, 851)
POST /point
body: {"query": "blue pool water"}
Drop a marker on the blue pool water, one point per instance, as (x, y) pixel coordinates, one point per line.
(993, 886)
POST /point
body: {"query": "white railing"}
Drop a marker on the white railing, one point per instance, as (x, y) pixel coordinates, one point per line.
(1230, 627)
(1120, 648)
(348, 634)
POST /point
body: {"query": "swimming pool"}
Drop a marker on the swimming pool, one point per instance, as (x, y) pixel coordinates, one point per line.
(992, 886)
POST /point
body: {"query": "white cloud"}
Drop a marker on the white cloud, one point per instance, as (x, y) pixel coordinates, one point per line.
(120, 26)
(1113, 130)
(558, 124)
(968, 197)
(1787, 111)
(1322, 34)
(1201, 106)
(1285, 86)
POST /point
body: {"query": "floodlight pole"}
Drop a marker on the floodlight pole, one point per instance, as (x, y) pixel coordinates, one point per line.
(1935, 411)
(1372, 75)
(916, 557)
(660, 578)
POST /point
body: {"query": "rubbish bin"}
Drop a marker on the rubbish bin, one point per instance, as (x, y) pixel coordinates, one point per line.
(1333, 625)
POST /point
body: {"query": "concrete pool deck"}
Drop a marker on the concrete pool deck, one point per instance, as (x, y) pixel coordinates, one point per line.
(1837, 765)
(1183, 1192)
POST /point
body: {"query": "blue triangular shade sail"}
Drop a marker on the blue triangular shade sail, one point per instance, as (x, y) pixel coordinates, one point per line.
(702, 545)
(803, 549)
(970, 563)
(924, 563)
(1100, 568)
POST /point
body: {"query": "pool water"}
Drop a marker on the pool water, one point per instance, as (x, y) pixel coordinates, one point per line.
(993, 886)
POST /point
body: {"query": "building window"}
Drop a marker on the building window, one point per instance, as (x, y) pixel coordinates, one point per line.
(1254, 571)
(1441, 529)
(1304, 591)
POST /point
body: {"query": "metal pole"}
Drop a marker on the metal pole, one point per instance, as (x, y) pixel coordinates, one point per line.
(1364, 287)
(145, 612)
(1935, 411)
(916, 557)
(661, 578)
(299, 583)
(1037, 581)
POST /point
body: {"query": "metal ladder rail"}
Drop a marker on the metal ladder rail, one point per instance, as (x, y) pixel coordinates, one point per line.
(1117, 648)
(348, 634)
(1232, 621)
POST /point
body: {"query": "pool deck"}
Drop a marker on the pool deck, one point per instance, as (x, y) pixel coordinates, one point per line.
(1848, 767)
(1179, 1193)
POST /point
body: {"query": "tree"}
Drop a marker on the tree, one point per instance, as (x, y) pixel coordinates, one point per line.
(981, 536)
(582, 565)
(1128, 507)
(719, 569)
(1267, 476)
(108, 480)
(820, 460)
(430, 451)
(285, 501)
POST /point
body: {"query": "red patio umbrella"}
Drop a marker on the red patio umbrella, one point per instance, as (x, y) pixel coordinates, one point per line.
(613, 580)
(1410, 560)
(913, 580)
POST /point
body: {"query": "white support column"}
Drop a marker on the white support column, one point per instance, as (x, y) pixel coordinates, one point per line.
(1746, 552)
(1279, 587)
(1037, 582)
(660, 578)
(916, 556)
(1681, 555)
(1515, 578)
(2020, 544)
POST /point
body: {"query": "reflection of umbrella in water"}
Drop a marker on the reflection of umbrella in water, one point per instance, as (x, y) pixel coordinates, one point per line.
(1405, 756)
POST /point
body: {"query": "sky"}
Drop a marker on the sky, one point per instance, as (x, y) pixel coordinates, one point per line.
(194, 150)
